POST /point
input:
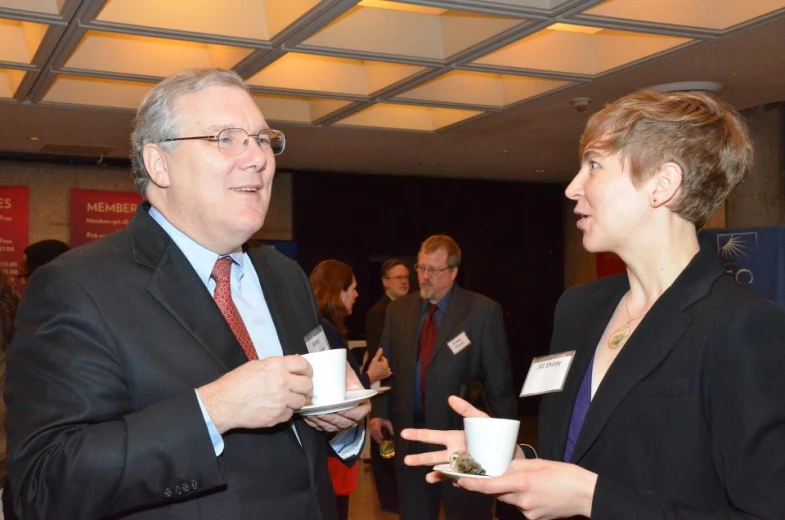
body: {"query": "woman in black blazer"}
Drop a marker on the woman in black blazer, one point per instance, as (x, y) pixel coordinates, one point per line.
(674, 406)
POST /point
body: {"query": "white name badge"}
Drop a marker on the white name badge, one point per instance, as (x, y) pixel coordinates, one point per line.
(459, 342)
(316, 340)
(547, 374)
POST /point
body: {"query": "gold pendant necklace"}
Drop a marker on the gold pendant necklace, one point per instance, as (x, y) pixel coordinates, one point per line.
(619, 336)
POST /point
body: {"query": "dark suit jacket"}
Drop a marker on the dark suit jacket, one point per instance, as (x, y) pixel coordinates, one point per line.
(689, 421)
(486, 359)
(103, 418)
(374, 325)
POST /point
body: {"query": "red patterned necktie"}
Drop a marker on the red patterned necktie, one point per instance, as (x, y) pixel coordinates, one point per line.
(425, 345)
(223, 297)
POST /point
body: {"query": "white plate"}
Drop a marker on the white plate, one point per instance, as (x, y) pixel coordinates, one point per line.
(352, 398)
(383, 389)
(444, 469)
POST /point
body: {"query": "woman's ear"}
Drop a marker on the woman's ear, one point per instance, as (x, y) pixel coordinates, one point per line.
(156, 165)
(666, 184)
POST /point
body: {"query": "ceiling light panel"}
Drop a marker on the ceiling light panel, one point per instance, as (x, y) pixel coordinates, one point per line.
(247, 19)
(20, 40)
(708, 14)
(401, 6)
(404, 117)
(580, 52)
(34, 6)
(107, 93)
(146, 56)
(569, 27)
(9, 82)
(296, 109)
(414, 31)
(311, 73)
(481, 89)
(539, 5)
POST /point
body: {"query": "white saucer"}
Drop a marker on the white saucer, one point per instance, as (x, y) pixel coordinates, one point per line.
(352, 398)
(444, 469)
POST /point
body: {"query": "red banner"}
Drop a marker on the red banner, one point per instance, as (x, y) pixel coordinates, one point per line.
(95, 213)
(14, 228)
(608, 264)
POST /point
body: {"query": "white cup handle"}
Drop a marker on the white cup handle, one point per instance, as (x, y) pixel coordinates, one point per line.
(521, 445)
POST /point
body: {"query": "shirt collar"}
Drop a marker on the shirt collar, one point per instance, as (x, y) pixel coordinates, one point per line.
(201, 258)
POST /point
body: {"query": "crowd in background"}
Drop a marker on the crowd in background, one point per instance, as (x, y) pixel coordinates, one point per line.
(158, 372)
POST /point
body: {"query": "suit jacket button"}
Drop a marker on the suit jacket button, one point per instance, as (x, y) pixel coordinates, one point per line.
(185, 487)
(178, 490)
(194, 485)
(168, 493)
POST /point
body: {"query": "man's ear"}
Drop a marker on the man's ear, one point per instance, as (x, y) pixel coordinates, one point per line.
(157, 167)
(666, 184)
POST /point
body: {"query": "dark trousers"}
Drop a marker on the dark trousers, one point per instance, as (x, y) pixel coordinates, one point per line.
(342, 503)
(8, 503)
(420, 500)
(386, 483)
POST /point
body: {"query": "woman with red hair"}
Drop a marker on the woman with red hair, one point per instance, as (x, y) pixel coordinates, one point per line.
(335, 288)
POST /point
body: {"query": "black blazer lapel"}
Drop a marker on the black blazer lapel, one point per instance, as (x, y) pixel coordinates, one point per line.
(646, 348)
(176, 286)
(651, 342)
(565, 400)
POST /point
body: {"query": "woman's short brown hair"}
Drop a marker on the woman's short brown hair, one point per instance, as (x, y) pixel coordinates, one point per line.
(706, 137)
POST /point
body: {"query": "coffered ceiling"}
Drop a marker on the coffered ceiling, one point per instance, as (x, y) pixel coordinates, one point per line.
(462, 88)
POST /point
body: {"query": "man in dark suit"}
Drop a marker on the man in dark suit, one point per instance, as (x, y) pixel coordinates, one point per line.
(395, 280)
(439, 342)
(155, 372)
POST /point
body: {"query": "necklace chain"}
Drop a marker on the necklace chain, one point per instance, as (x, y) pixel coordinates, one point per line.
(620, 335)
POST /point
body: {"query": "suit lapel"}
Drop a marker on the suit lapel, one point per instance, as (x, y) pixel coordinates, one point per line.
(649, 345)
(646, 348)
(277, 297)
(176, 286)
(459, 305)
(411, 319)
(565, 400)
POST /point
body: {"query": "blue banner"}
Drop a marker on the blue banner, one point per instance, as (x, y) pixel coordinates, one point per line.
(754, 256)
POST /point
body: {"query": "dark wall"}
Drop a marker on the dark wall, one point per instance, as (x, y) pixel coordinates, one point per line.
(510, 235)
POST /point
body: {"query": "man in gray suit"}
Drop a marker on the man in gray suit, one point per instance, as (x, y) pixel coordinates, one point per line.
(155, 373)
(441, 341)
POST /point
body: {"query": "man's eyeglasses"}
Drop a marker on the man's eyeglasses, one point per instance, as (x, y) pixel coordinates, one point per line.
(431, 271)
(397, 278)
(234, 141)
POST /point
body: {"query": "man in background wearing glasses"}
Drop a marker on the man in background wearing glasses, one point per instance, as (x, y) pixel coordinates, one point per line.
(440, 341)
(395, 280)
(154, 374)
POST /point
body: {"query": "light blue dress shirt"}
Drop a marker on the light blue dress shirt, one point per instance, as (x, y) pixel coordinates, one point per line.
(249, 299)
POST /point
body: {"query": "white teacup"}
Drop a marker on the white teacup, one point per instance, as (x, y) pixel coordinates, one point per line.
(329, 376)
(491, 442)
